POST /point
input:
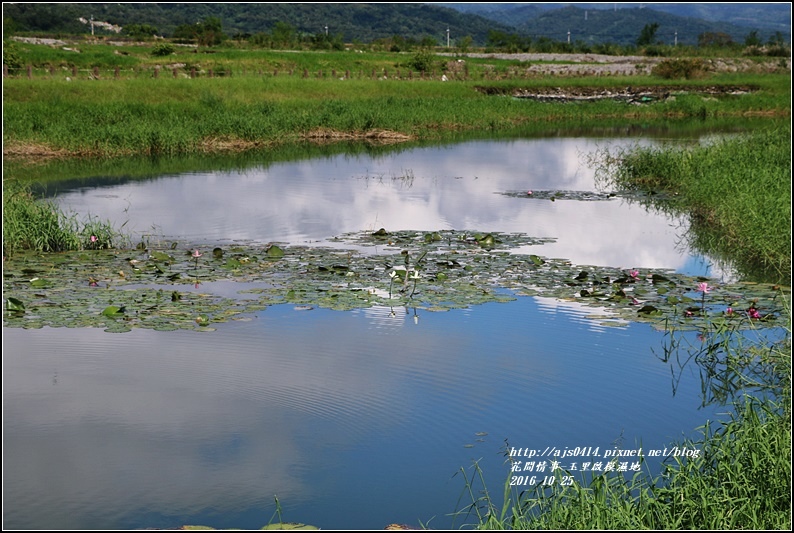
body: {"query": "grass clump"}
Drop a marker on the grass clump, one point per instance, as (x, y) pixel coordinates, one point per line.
(32, 224)
(736, 190)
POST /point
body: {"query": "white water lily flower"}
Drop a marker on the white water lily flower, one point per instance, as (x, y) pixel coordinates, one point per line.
(415, 274)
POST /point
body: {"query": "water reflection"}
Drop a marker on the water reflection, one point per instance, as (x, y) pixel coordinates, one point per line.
(729, 362)
(449, 187)
(355, 420)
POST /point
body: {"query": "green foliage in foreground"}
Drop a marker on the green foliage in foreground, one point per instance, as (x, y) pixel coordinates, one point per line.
(31, 224)
(737, 191)
(740, 480)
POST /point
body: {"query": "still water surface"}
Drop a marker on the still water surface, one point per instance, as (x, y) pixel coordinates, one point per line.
(355, 419)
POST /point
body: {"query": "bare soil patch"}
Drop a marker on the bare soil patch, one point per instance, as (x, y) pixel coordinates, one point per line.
(374, 136)
(630, 94)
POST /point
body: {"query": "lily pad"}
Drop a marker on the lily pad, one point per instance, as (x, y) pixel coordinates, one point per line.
(113, 311)
(159, 256)
(12, 304)
(275, 252)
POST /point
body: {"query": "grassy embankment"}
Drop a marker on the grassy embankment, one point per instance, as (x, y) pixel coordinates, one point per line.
(261, 104)
(737, 192)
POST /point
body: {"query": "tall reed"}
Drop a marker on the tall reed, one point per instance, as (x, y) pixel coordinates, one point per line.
(32, 224)
(736, 190)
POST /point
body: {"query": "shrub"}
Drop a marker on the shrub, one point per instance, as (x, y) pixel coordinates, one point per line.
(11, 57)
(680, 68)
(422, 61)
(162, 50)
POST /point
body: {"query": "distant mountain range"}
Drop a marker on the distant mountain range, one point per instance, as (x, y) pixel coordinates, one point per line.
(769, 16)
(621, 22)
(618, 23)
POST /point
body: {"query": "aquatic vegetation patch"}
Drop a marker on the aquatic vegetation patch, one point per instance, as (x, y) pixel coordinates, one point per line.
(586, 196)
(164, 288)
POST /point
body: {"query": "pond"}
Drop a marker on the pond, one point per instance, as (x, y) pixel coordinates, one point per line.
(351, 419)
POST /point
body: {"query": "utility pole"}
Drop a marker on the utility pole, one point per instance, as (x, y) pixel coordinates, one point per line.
(447, 37)
(326, 29)
(92, 25)
(569, 36)
(675, 42)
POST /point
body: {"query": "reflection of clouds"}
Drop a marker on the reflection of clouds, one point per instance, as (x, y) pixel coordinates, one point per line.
(176, 423)
(579, 312)
(308, 405)
(153, 425)
(453, 187)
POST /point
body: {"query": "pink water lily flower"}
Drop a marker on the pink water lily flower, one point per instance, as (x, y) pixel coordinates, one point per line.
(529, 193)
(703, 287)
(197, 254)
(93, 238)
(753, 313)
(634, 274)
(729, 311)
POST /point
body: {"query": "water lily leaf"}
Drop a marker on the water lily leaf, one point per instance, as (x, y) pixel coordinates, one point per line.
(217, 252)
(113, 311)
(648, 310)
(39, 283)
(274, 252)
(12, 304)
(536, 259)
(485, 240)
(232, 263)
(118, 328)
(159, 256)
(381, 233)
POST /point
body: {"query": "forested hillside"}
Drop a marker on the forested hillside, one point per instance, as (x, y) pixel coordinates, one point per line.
(429, 24)
(623, 26)
(353, 22)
